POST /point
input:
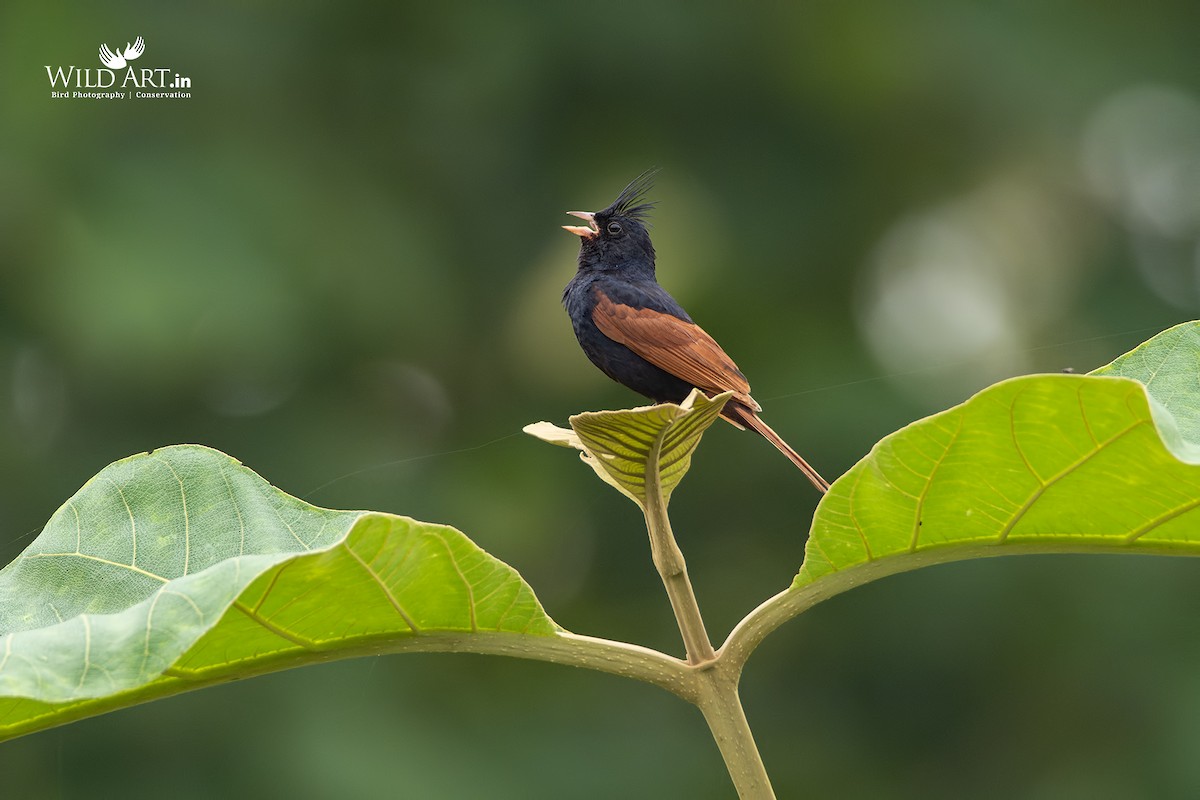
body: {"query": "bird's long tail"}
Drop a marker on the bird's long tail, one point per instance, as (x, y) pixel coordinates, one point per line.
(750, 419)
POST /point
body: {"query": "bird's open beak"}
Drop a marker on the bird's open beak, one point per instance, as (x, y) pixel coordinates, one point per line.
(579, 230)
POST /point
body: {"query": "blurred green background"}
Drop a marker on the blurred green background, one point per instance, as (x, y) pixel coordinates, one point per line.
(340, 262)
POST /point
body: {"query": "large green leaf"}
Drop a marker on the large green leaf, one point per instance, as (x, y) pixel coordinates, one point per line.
(1058, 461)
(1043, 463)
(179, 568)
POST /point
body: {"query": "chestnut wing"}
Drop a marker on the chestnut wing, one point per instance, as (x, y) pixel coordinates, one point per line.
(681, 348)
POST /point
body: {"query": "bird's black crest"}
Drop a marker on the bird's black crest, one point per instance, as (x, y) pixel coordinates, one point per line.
(630, 202)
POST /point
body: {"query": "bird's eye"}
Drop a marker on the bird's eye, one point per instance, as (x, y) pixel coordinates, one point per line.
(614, 228)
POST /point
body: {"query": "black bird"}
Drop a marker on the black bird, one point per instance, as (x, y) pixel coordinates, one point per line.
(637, 334)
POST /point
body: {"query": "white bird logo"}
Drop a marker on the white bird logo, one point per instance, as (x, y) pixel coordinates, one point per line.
(118, 59)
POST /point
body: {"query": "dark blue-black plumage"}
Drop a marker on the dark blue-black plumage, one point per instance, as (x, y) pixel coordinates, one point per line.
(616, 258)
(636, 333)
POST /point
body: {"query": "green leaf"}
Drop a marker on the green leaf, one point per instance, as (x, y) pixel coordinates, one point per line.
(180, 568)
(1042, 463)
(1066, 462)
(1062, 462)
(1169, 367)
(625, 446)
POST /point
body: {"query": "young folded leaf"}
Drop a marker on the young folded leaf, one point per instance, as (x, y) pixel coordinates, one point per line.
(623, 446)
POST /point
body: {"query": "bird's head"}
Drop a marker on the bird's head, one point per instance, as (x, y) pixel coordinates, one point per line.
(615, 238)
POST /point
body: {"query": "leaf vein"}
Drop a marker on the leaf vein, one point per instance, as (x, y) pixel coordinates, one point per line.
(387, 592)
(916, 525)
(462, 576)
(87, 650)
(862, 534)
(1162, 520)
(1041, 490)
(105, 561)
(237, 510)
(132, 522)
(281, 632)
(187, 523)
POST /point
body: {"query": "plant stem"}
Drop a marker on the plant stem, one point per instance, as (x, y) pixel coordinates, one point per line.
(715, 688)
(668, 559)
(722, 709)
